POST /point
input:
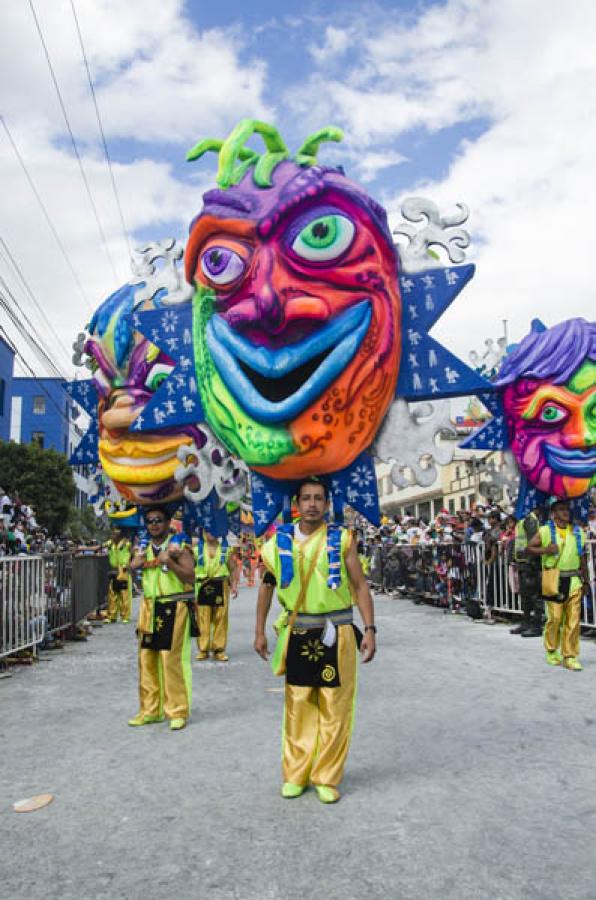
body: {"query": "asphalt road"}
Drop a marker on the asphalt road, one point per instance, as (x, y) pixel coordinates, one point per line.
(472, 775)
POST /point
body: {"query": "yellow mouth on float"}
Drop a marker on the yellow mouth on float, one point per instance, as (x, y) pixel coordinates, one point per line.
(142, 461)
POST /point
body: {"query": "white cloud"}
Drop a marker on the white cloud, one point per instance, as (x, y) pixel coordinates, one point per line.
(337, 41)
(527, 69)
(369, 164)
(158, 78)
(159, 81)
(528, 179)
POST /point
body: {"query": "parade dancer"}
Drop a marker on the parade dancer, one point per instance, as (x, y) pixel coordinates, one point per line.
(561, 545)
(215, 579)
(120, 581)
(317, 573)
(166, 622)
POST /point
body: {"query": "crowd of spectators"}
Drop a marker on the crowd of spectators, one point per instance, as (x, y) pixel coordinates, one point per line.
(20, 533)
(440, 561)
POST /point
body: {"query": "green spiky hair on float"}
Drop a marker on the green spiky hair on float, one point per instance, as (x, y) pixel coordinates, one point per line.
(235, 159)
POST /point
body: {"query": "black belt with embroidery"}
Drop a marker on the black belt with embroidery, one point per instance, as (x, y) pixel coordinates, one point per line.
(211, 592)
(164, 616)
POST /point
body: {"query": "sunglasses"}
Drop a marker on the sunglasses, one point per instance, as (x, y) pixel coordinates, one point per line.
(155, 521)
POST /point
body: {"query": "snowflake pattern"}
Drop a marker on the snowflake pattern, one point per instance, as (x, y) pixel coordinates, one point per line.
(362, 476)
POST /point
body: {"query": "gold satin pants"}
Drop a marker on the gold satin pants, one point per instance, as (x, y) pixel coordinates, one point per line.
(563, 623)
(119, 601)
(165, 676)
(318, 722)
(213, 625)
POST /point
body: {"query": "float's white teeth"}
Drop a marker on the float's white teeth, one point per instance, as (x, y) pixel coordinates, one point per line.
(141, 460)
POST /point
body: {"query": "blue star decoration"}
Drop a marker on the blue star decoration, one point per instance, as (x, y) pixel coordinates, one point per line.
(208, 514)
(177, 400)
(84, 393)
(356, 485)
(427, 370)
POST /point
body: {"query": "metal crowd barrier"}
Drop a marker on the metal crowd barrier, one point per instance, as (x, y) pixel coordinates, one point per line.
(58, 591)
(89, 585)
(471, 579)
(22, 603)
(43, 597)
(446, 573)
(498, 593)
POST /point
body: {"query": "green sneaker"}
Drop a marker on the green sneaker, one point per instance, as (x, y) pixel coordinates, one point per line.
(177, 724)
(573, 663)
(145, 720)
(554, 658)
(326, 793)
(289, 790)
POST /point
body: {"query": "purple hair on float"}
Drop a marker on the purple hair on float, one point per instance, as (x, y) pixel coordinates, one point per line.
(554, 354)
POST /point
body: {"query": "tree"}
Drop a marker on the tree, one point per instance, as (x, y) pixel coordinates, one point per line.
(84, 525)
(42, 478)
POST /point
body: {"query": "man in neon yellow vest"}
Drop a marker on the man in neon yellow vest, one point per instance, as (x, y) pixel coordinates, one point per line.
(562, 546)
(317, 573)
(166, 617)
(120, 584)
(215, 579)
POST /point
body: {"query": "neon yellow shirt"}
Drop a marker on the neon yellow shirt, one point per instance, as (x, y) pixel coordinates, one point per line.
(320, 599)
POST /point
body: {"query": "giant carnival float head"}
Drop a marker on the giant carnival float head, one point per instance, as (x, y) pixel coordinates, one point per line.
(127, 370)
(544, 411)
(298, 309)
(306, 326)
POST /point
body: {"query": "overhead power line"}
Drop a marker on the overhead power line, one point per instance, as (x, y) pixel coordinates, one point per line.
(30, 336)
(46, 214)
(101, 130)
(4, 305)
(72, 139)
(32, 297)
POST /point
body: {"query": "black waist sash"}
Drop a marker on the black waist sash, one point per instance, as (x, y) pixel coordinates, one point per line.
(211, 592)
(164, 616)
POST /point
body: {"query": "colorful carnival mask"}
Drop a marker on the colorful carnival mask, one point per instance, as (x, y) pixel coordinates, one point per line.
(297, 312)
(547, 407)
(127, 371)
(294, 345)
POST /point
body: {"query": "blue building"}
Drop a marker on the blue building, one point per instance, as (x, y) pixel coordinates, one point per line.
(39, 409)
(40, 413)
(7, 353)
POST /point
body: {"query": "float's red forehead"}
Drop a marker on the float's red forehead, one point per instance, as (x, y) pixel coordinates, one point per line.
(246, 209)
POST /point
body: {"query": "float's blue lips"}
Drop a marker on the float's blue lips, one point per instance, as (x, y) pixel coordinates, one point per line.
(577, 463)
(341, 337)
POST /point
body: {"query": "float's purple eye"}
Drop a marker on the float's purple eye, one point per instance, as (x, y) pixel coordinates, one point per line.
(221, 265)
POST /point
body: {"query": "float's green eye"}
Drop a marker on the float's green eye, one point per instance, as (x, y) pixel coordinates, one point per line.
(551, 414)
(157, 375)
(324, 238)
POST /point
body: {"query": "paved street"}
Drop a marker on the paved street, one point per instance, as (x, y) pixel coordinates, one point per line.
(472, 775)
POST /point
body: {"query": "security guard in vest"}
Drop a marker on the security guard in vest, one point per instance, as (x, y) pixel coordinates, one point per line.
(166, 622)
(528, 568)
(318, 576)
(562, 545)
(215, 579)
(120, 581)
